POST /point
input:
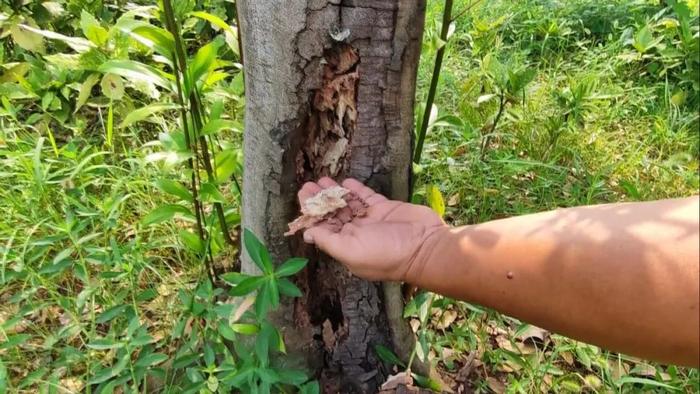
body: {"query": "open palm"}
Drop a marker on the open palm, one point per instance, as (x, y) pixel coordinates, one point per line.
(383, 244)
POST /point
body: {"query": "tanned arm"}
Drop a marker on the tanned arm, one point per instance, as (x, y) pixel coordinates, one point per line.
(621, 276)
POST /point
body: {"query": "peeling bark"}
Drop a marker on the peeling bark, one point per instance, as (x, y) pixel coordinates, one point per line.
(329, 91)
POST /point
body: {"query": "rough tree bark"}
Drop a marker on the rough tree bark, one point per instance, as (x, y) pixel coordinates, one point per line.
(329, 91)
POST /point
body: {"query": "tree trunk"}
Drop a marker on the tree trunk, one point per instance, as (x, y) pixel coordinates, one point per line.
(329, 91)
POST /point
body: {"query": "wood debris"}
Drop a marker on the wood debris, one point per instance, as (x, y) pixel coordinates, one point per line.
(325, 206)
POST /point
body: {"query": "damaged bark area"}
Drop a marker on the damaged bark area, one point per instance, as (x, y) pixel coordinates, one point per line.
(330, 87)
(332, 117)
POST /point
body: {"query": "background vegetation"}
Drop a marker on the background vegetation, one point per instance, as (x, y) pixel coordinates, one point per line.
(105, 256)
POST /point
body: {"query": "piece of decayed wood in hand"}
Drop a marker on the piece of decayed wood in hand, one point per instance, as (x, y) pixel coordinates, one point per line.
(316, 208)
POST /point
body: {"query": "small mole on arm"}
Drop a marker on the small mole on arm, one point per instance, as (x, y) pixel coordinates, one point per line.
(509, 275)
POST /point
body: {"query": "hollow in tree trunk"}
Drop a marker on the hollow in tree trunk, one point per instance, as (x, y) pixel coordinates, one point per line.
(329, 92)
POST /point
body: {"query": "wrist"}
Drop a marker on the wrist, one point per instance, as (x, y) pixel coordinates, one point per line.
(416, 268)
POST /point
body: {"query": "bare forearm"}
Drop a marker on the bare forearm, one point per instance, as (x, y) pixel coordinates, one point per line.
(622, 276)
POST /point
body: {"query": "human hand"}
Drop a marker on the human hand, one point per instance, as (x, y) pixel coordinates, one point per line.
(382, 245)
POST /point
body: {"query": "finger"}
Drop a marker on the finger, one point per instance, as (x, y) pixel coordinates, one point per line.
(368, 195)
(326, 182)
(327, 240)
(307, 191)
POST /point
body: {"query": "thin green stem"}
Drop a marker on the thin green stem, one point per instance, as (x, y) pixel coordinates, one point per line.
(446, 19)
(180, 64)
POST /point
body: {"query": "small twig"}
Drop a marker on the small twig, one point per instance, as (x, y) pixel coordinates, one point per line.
(487, 138)
(465, 10)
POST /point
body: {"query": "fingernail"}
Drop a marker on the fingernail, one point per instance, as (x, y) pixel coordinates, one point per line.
(308, 238)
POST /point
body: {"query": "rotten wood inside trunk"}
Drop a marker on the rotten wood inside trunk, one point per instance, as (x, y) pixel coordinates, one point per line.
(333, 116)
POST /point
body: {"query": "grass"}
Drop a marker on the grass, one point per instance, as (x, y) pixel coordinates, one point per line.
(90, 295)
(629, 142)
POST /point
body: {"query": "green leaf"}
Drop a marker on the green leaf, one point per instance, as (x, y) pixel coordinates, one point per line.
(247, 285)
(230, 33)
(209, 357)
(227, 163)
(63, 255)
(245, 328)
(175, 188)
(203, 60)
(226, 331)
(55, 268)
(291, 267)
(27, 39)
(145, 113)
(184, 361)
(435, 200)
(274, 293)
(154, 38)
(426, 382)
(262, 343)
(645, 381)
(257, 251)
(517, 81)
(310, 388)
(233, 278)
(388, 356)
(105, 344)
(215, 126)
(92, 30)
(14, 340)
(3, 377)
(134, 70)
(111, 313)
(292, 376)
(643, 40)
(288, 288)
(78, 44)
(192, 241)
(33, 377)
(141, 340)
(213, 384)
(268, 375)
(211, 193)
(263, 302)
(107, 373)
(164, 213)
(86, 90)
(146, 360)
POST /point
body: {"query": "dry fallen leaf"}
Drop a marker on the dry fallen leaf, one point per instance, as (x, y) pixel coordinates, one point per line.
(415, 325)
(448, 317)
(496, 385)
(533, 332)
(454, 200)
(71, 385)
(394, 381)
(504, 343)
(568, 358)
